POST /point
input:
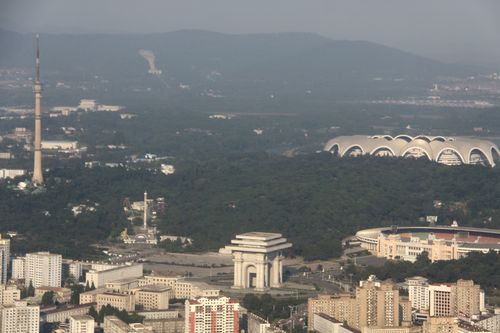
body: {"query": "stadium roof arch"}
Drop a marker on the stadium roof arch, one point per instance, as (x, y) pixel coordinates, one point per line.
(446, 150)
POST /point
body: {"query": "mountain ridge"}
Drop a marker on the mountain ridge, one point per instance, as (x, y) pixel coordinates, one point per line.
(288, 62)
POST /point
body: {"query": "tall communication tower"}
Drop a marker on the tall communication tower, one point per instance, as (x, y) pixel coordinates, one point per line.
(37, 89)
(145, 216)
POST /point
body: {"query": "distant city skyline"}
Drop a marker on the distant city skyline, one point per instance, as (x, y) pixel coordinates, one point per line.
(449, 30)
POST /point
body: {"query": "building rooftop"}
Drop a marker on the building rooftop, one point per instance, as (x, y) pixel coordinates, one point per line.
(95, 291)
(66, 308)
(258, 242)
(82, 317)
(471, 328)
(54, 289)
(155, 288)
(257, 235)
(123, 281)
(329, 318)
(116, 268)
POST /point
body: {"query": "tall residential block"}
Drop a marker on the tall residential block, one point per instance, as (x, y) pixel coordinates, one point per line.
(418, 292)
(20, 318)
(462, 299)
(18, 268)
(343, 308)
(43, 269)
(4, 258)
(376, 304)
(212, 315)
(441, 300)
(468, 298)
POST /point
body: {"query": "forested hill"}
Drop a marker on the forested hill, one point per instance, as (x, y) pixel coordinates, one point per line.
(314, 200)
(239, 64)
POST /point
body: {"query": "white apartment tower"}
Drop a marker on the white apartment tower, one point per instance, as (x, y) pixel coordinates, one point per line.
(4, 258)
(18, 268)
(81, 324)
(418, 292)
(43, 269)
(20, 318)
(212, 315)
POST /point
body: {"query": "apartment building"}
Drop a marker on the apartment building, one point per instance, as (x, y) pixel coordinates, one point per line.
(43, 269)
(20, 318)
(212, 315)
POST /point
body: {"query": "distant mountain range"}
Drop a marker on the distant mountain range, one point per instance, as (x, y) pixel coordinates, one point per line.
(241, 64)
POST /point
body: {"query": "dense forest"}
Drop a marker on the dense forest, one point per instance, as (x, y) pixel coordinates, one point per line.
(315, 200)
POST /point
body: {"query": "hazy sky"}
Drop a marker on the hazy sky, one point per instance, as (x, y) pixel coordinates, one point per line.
(465, 31)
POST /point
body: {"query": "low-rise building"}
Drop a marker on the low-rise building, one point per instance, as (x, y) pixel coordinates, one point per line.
(490, 322)
(114, 325)
(100, 277)
(181, 288)
(59, 145)
(91, 295)
(117, 300)
(399, 329)
(184, 289)
(159, 314)
(166, 325)
(62, 295)
(152, 297)
(326, 324)
(6, 155)
(123, 285)
(467, 327)
(257, 324)
(11, 173)
(440, 325)
(88, 105)
(60, 314)
(81, 324)
(167, 281)
(9, 294)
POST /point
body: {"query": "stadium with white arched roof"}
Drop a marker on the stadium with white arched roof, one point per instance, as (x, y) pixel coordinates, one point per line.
(445, 150)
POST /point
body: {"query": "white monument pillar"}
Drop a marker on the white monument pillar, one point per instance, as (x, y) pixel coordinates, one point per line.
(260, 283)
(239, 281)
(275, 272)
